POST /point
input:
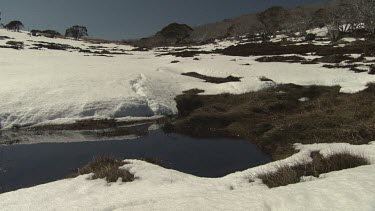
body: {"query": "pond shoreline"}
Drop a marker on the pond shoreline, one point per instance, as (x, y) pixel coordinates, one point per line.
(23, 165)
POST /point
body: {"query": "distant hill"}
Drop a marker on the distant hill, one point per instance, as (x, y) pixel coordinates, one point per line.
(243, 25)
(238, 26)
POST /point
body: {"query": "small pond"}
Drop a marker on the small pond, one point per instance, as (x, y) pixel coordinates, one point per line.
(28, 165)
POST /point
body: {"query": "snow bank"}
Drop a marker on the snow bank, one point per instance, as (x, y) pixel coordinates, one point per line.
(162, 189)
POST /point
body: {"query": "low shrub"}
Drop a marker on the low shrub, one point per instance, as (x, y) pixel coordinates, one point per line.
(106, 167)
(286, 175)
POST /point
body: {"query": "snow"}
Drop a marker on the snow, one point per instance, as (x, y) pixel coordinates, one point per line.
(321, 32)
(162, 189)
(304, 99)
(39, 86)
(349, 39)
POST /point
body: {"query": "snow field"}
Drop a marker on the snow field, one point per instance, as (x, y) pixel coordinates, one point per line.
(39, 86)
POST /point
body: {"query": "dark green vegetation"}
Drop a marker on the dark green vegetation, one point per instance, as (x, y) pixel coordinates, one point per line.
(270, 48)
(276, 118)
(352, 67)
(64, 47)
(173, 34)
(286, 175)
(14, 25)
(106, 167)
(76, 32)
(214, 80)
(16, 45)
(48, 33)
(277, 52)
(176, 32)
(289, 59)
(5, 38)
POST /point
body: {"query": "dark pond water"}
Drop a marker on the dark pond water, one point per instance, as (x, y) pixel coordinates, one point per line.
(27, 165)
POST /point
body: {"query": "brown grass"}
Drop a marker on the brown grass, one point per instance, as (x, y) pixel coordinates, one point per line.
(275, 119)
(286, 175)
(105, 167)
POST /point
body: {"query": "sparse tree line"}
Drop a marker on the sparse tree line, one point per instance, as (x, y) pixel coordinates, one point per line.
(353, 16)
(340, 17)
(74, 31)
(346, 16)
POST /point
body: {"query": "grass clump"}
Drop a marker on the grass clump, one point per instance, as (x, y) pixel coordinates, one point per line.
(287, 175)
(105, 167)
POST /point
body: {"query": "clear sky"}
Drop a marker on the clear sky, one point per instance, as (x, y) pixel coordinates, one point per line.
(123, 19)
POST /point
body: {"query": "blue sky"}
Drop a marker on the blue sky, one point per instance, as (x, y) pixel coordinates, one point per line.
(123, 19)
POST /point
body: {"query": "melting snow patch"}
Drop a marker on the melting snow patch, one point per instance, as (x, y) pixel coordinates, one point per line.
(304, 99)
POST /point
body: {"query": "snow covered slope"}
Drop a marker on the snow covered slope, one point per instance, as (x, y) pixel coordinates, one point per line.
(161, 189)
(45, 85)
